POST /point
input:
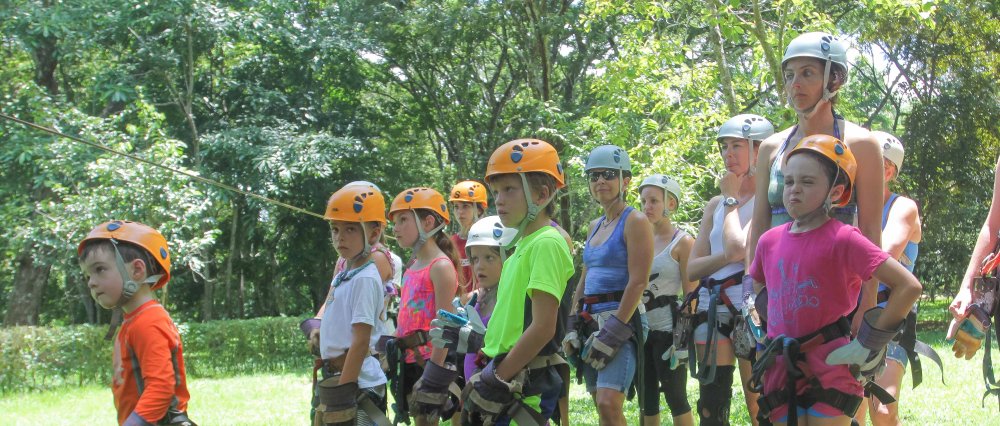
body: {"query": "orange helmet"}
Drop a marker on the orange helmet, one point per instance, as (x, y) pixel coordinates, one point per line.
(526, 155)
(420, 198)
(356, 202)
(836, 151)
(136, 233)
(469, 191)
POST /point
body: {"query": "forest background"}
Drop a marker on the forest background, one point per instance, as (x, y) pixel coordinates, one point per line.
(291, 99)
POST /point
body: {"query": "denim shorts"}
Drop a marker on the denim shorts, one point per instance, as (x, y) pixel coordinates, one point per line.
(896, 353)
(617, 375)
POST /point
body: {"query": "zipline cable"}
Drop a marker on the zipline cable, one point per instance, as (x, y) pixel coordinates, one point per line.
(191, 175)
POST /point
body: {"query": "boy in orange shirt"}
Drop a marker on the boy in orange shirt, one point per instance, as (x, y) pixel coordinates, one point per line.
(124, 262)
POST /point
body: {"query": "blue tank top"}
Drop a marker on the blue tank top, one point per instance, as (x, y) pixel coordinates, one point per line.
(910, 252)
(607, 264)
(776, 185)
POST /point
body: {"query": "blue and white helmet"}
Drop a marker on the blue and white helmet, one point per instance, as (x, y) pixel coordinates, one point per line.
(489, 232)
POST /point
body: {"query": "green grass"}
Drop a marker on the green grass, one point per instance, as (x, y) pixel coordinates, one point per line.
(283, 399)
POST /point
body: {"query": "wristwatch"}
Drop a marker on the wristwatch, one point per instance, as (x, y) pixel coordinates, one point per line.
(730, 202)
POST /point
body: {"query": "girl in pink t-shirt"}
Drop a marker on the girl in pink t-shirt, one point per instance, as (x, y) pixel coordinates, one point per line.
(812, 270)
(419, 216)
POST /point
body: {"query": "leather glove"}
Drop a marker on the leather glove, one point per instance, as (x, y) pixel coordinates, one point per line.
(310, 327)
(571, 342)
(338, 403)
(867, 351)
(430, 396)
(968, 333)
(488, 396)
(462, 337)
(603, 344)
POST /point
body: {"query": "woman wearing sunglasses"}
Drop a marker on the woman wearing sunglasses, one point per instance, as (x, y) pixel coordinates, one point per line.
(617, 259)
(717, 261)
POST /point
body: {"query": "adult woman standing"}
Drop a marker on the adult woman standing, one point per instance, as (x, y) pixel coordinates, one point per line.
(815, 68)
(717, 260)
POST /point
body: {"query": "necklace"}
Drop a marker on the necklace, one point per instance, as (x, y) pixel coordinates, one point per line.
(345, 275)
(608, 220)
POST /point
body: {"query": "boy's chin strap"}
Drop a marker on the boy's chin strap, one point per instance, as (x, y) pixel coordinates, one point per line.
(533, 210)
(129, 288)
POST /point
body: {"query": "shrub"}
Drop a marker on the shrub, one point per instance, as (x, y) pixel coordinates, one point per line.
(38, 358)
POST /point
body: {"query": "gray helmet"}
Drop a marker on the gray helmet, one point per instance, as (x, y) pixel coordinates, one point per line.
(892, 148)
(608, 157)
(746, 126)
(490, 232)
(823, 46)
(664, 182)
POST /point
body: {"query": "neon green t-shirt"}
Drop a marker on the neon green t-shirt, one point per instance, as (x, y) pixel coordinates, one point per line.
(541, 262)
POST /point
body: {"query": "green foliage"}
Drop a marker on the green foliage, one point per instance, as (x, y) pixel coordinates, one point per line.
(40, 358)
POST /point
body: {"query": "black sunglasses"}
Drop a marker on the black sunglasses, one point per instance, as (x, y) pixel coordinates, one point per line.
(607, 175)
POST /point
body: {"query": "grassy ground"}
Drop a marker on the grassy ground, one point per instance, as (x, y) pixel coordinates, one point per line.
(282, 399)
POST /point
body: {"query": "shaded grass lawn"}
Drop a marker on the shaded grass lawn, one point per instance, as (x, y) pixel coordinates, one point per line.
(283, 399)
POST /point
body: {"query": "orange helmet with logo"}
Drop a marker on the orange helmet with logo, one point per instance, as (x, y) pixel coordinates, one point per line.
(420, 198)
(836, 151)
(135, 233)
(469, 191)
(526, 155)
(356, 202)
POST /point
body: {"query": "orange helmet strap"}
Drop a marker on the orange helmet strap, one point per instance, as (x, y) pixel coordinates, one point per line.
(533, 210)
(129, 286)
(422, 236)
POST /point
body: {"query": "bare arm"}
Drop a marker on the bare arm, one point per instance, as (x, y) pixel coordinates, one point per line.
(361, 334)
(544, 309)
(905, 292)
(682, 252)
(868, 187)
(444, 278)
(702, 263)
(761, 220)
(984, 244)
(639, 248)
(902, 226)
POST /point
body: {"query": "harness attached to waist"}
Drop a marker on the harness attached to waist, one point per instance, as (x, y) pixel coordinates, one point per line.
(395, 349)
(793, 350)
(706, 374)
(913, 347)
(535, 379)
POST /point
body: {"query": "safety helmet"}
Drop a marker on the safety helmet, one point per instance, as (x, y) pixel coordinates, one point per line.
(664, 182)
(746, 126)
(837, 152)
(819, 45)
(357, 202)
(420, 198)
(825, 47)
(489, 231)
(469, 191)
(524, 156)
(892, 148)
(364, 183)
(135, 233)
(608, 157)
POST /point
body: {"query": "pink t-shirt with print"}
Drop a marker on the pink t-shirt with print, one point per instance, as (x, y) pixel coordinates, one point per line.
(418, 307)
(813, 278)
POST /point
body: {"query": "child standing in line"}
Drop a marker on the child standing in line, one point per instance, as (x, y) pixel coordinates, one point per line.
(660, 196)
(468, 201)
(124, 262)
(812, 269)
(521, 376)
(348, 324)
(429, 284)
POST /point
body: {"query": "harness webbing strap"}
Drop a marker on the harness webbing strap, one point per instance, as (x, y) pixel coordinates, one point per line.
(590, 299)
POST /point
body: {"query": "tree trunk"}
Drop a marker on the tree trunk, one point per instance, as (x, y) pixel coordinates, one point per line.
(25, 299)
(46, 61)
(227, 282)
(207, 298)
(89, 307)
(720, 51)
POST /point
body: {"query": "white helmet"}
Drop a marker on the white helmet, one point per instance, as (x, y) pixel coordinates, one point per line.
(746, 126)
(892, 148)
(822, 46)
(490, 232)
(668, 185)
(608, 157)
